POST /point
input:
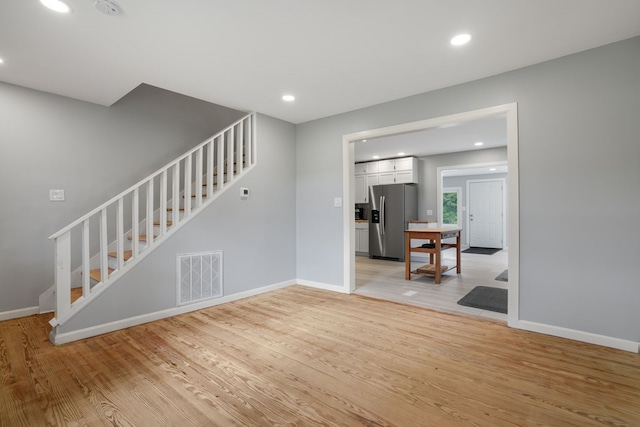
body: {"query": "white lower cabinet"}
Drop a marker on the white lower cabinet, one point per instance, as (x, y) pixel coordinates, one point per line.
(362, 237)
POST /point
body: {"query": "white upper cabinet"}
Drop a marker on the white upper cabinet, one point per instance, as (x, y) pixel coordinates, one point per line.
(386, 166)
(406, 164)
(365, 168)
(361, 189)
(393, 171)
(387, 178)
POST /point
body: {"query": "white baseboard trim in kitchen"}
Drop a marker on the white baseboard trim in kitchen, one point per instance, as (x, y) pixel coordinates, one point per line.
(572, 334)
(22, 312)
(93, 331)
(324, 286)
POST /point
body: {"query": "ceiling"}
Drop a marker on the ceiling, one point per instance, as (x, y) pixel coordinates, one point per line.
(491, 131)
(333, 55)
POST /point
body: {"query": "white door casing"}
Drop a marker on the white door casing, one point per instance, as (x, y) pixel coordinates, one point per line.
(510, 111)
(486, 213)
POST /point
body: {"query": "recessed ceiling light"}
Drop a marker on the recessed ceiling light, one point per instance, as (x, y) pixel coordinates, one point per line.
(492, 169)
(288, 98)
(1, 61)
(56, 5)
(479, 144)
(375, 157)
(400, 154)
(461, 39)
(364, 140)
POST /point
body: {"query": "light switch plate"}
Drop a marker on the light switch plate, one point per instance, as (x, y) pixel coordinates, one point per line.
(244, 193)
(56, 195)
(429, 212)
(337, 202)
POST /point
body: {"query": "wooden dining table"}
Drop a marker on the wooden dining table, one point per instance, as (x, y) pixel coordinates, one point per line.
(434, 248)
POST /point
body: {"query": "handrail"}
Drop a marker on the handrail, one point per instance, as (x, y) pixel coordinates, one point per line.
(145, 180)
(228, 154)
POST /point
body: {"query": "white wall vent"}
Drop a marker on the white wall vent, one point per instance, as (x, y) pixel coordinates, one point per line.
(199, 277)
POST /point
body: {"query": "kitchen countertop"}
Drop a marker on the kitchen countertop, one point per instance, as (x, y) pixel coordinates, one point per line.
(362, 220)
(421, 221)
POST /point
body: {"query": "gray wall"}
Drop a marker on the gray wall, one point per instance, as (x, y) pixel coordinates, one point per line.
(578, 152)
(256, 235)
(90, 151)
(461, 181)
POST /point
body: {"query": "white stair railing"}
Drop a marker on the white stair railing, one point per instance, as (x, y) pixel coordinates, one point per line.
(96, 245)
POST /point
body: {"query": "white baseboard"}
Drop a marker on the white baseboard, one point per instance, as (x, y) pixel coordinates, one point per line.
(63, 338)
(576, 335)
(22, 312)
(324, 286)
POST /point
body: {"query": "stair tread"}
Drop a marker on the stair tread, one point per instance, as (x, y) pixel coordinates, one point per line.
(171, 209)
(141, 238)
(169, 223)
(97, 273)
(126, 255)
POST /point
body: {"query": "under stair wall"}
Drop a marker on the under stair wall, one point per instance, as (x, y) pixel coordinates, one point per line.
(92, 152)
(256, 236)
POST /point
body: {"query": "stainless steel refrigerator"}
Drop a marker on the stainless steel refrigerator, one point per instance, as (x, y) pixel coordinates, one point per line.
(392, 206)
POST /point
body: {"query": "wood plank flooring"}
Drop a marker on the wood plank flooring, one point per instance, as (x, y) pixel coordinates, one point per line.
(385, 280)
(306, 357)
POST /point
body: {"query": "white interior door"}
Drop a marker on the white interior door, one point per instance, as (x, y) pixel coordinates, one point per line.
(486, 213)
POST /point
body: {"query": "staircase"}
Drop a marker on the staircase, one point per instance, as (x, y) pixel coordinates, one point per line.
(97, 249)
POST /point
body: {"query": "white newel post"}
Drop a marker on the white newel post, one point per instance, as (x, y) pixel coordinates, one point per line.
(63, 274)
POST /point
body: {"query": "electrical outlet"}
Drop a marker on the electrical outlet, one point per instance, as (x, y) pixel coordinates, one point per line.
(430, 212)
(337, 202)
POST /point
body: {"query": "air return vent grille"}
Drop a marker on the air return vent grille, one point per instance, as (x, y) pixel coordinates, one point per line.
(199, 277)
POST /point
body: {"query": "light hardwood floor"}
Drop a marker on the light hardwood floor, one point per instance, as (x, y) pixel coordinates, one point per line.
(385, 280)
(306, 357)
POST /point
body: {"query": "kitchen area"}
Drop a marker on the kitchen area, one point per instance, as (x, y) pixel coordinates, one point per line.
(387, 194)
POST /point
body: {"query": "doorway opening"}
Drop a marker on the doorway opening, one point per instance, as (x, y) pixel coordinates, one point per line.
(509, 112)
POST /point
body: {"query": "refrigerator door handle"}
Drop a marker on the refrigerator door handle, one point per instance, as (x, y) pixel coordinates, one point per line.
(382, 210)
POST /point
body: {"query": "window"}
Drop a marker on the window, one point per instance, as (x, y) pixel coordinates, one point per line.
(451, 206)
